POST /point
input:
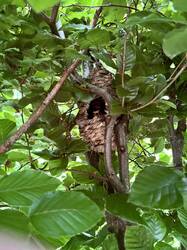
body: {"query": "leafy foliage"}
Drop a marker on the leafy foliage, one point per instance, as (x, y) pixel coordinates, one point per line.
(48, 189)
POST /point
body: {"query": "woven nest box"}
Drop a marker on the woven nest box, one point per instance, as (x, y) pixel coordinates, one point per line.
(92, 117)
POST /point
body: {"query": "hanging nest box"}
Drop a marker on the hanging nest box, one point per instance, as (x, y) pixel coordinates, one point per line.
(92, 117)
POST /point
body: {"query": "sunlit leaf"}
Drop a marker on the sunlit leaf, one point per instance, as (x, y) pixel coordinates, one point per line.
(6, 127)
(22, 188)
(40, 5)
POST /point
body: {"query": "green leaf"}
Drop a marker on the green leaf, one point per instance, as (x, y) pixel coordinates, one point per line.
(139, 238)
(22, 188)
(175, 42)
(14, 220)
(56, 166)
(130, 58)
(110, 243)
(118, 205)
(152, 21)
(155, 224)
(106, 59)
(155, 187)
(159, 145)
(39, 5)
(67, 213)
(94, 38)
(77, 146)
(163, 246)
(180, 5)
(84, 173)
(17, 155)
(114, 14)
(182, 214)
(6, 127)
(182, 187)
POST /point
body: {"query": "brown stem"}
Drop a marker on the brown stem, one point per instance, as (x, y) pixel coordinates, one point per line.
(120, 239)
(121, 142)
(51, 21)
(96, 17)
(39, 111)
(177, 140)
(115, 182)
(92, 88)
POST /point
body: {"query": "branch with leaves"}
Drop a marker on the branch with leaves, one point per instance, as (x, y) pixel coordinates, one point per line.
(51, 21)
(39, 111)
(171, 82)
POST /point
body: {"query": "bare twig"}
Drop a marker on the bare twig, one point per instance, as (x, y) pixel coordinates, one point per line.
(115, 182)
(162, 91)
(6, 146)
(121, 142)
(175, 70)
(123, 65)
(99, 6)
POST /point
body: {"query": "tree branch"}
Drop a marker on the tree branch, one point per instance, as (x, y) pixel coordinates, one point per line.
(121, 142)
(177, 140)
(39, 111)
(92, 88)
(162, 91)
(115, 182)
(54, 13)
(51, 21)
(100, 6)
(96, 17)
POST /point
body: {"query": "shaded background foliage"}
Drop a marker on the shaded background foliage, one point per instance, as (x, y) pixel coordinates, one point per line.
(47, 188)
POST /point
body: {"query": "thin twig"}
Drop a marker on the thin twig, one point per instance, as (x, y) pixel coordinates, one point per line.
(99, 6)
(162, 91)
(124, 65)
(144, 150)
(39, 111)
(115, 182)
(175, 70)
